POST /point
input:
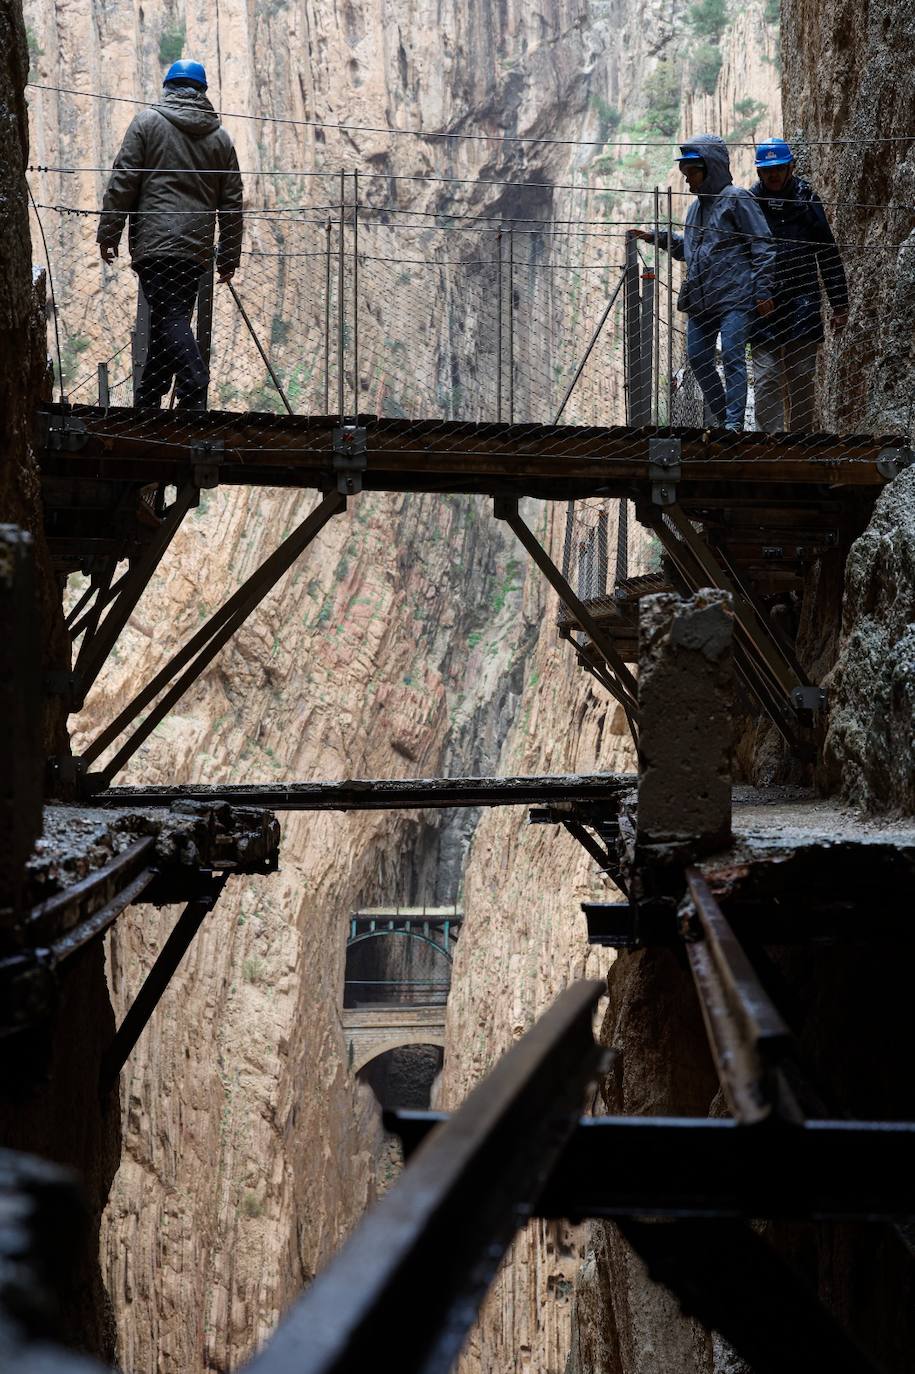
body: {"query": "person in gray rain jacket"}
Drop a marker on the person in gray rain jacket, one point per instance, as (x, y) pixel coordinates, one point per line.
(730, 278)
(175, 175)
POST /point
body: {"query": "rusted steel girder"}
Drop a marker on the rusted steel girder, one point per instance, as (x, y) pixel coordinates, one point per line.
(384, 794)
(688, 1166)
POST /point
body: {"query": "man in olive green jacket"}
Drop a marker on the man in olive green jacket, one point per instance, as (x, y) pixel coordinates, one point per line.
(175, 175)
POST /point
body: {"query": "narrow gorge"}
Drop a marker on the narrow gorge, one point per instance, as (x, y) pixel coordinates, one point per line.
(415, 638)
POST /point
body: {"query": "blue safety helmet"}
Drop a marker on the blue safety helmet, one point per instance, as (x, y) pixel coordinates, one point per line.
(688, 154)
(773, 153)
(187, 71)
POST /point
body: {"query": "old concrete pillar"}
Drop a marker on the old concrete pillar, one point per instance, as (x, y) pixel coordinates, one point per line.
(686, 679)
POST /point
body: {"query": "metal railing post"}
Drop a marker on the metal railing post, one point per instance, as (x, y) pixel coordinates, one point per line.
(646, 322)
(633, 337)
(355, 295)
(656, 370)
(204, 323)
(670, 309)
(327, 283)
(341, 304)
(511, 324)
(139, 343)
(499, 331)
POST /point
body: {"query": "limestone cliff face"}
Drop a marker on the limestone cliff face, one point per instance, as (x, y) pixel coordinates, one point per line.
(410, 640)
(524, 935)
(23, 360)
(848, 74)
(523, 941)
(243, 1163)
(393, 648)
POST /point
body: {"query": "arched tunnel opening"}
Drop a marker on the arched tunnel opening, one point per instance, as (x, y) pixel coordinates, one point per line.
(403, 1077)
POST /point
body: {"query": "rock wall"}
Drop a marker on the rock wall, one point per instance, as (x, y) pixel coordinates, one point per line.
(48, 1118)
(524, 936)
(410, 640)
(848, 75)
(23, 356)
(243, 1165)
(393, 648)
(523, 940)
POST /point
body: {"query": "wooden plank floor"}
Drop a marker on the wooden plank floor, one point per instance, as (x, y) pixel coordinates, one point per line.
(553, 462)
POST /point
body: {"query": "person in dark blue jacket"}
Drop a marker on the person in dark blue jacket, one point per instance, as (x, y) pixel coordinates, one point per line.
(785, 343)
(730, 276)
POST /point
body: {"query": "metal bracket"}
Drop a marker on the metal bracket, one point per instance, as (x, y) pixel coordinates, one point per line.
(59, 683)
(808, 699)
(66, 434)
(504, 507)
(206, 470)
(664, 470)
(349, 457)
(891, 461)
(66, 770)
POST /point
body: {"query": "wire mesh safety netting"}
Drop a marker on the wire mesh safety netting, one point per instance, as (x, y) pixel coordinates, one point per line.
(346, 303)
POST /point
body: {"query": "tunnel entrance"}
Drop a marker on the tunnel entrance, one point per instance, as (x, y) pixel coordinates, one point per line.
(403, 1076)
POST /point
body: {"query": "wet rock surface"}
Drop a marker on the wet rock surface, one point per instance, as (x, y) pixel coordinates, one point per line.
(686, 691)
(870, 743)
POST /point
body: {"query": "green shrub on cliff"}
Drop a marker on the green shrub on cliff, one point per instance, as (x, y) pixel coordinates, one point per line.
(171, 44)
(705, 64)
(708, 18)
(662, 92)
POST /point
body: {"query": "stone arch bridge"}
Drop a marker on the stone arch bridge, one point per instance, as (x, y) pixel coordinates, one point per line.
(408, 1012)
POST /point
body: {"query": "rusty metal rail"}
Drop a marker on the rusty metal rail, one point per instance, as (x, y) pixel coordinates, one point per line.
(411, 1278)
(384, 794)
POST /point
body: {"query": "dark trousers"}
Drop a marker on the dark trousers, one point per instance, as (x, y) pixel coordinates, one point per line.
(170, 288)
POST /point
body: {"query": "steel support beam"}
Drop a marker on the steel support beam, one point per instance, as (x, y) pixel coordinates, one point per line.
(157, 981)
(386, 794)
(688, 1166)
(624, 688)
(100, 639)
(745, 1031)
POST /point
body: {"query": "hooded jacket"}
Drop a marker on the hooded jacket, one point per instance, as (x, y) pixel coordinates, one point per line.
(726, 244)
(805, 250)
(175, 174)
